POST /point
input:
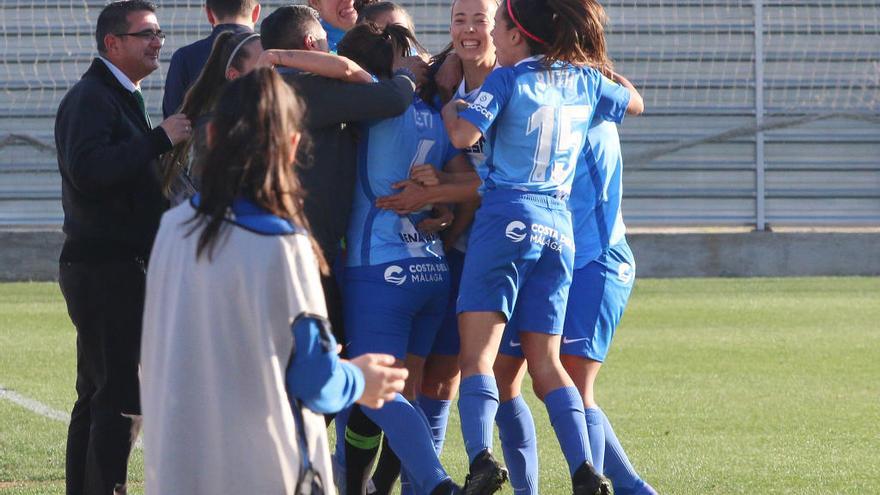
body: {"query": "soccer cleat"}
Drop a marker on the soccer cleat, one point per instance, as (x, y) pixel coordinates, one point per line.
(486, 475)
(586, 481)
(447, 487)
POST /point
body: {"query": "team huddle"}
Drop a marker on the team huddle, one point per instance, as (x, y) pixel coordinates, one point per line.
(451, 222)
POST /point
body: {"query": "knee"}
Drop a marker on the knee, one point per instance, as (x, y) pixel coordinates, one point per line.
(545, 368)
(409, 390)
(440, 380)
(475, 364)
(412, 385)
(547, 376)
(509, 373)
(507, 391)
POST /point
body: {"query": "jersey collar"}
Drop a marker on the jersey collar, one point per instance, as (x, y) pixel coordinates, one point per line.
(334, 35)
(533, 58)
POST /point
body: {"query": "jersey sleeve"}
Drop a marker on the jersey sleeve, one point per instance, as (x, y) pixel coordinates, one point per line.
(315, 374)
(493, 96)
(612, 100)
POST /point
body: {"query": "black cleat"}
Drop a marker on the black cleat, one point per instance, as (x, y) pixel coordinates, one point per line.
(586, 481)
(448, 487)
(486, 475)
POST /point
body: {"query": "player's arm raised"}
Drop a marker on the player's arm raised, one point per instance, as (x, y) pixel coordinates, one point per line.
(636, 103)
(322, 64)
(461, 132)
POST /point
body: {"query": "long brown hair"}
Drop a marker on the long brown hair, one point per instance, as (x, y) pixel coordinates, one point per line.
(374, 48)
(251, 156)
(571, 31)
(201, 97)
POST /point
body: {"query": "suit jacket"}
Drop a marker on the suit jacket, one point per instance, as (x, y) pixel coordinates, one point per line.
(330, 165)
(108, 158)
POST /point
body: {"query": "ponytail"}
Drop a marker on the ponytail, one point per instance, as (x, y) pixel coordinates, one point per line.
(201, 97)
(570, 31)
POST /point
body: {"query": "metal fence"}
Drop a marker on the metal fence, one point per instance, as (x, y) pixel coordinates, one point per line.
(759, 112)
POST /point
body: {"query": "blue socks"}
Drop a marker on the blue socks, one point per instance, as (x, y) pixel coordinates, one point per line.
(437, 413)
(410, 438)
(596, 428)
(477, 405)
(617, 466)
(519, 442)
(566, 410)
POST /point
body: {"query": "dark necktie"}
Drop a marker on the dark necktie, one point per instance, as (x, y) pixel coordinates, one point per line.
(140, 99)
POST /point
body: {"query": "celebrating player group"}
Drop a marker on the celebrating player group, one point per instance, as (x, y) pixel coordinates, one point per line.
(451, 221)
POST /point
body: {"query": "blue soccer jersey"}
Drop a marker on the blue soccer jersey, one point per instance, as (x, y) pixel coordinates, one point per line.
(595, 200)
(477, 152)
(535, 120)
(388, 149)
(334, 35)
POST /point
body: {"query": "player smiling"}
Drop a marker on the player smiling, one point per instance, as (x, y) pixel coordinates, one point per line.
(534, 113)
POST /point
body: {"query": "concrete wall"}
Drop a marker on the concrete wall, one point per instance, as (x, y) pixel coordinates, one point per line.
(756, 254)
(29, 255)
(33, 255)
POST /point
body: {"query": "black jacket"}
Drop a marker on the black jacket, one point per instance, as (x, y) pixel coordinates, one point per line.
(329, 168)
(110, 183)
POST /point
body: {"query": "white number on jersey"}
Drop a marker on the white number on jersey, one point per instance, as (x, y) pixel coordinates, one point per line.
(543, 120)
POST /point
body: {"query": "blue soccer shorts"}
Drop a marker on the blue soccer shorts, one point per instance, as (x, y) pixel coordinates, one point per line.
(520, 256)
(599, 294)
(596, 302)
(395, 308)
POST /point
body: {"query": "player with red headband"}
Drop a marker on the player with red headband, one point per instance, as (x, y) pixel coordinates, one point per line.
(534, 113)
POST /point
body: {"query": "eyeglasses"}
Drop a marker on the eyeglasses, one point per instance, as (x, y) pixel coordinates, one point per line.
(147, 35)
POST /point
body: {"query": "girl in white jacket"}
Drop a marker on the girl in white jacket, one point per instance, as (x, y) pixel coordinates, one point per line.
(237, 357)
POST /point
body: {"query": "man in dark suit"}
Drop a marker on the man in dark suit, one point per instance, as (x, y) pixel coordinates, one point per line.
(112, 198)
(187, 62)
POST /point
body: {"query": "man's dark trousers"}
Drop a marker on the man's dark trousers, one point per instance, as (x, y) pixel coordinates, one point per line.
(105, 301)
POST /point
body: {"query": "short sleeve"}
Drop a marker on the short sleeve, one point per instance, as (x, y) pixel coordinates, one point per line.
(612, 100)
(493, 96)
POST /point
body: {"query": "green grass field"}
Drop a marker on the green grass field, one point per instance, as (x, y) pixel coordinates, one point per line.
(714, 386)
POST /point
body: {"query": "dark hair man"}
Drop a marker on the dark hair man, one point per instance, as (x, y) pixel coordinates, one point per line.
(295, 27)
(110, 190)
(187, 62)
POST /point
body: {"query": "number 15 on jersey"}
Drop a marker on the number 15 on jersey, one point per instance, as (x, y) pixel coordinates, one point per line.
(569, 123)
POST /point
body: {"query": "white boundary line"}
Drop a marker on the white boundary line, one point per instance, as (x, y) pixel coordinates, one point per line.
(41, 409)
(33, 405)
